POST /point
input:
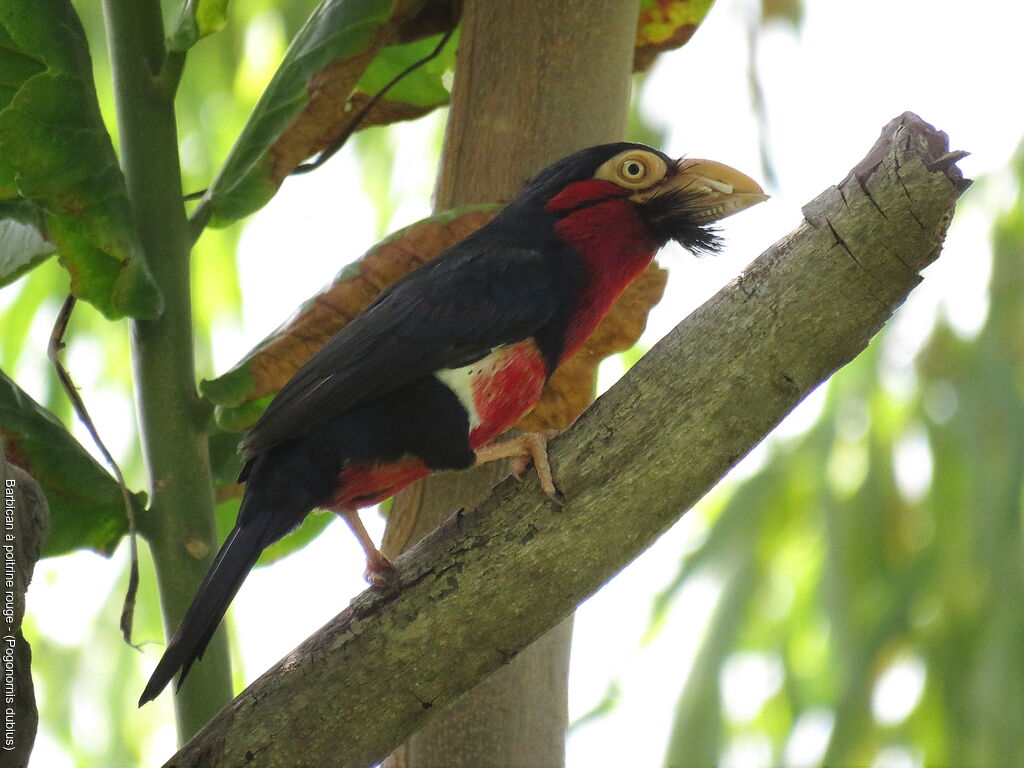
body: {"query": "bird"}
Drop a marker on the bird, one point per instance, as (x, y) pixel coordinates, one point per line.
(449, 357)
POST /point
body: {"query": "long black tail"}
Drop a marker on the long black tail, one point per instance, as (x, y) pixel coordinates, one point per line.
(236, 558)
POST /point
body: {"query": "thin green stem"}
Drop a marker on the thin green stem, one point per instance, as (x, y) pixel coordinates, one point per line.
(179, 525)
(199, 219)
(169, 76)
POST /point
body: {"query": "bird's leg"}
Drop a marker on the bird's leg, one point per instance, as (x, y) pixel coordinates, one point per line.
(378, 568)
(530, 446)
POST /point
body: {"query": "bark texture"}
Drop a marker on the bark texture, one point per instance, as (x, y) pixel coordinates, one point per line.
(489, 581)
(502, 129)
(26, 521)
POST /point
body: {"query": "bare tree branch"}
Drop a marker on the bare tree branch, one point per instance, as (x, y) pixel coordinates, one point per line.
(487, 582)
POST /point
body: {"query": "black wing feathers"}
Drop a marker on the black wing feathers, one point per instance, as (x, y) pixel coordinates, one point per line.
(448, 313)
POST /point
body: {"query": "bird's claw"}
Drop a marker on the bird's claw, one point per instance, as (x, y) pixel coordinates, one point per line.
(536, 444)
(528, 448)
(379, 570)
(519, 466)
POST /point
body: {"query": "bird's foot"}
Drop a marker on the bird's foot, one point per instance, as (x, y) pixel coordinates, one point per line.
(379, 571)
(530, 447)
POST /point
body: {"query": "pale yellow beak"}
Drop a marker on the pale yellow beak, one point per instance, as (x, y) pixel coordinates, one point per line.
(721, 190)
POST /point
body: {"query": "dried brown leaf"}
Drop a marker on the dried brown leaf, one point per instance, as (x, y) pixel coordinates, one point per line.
(325, 116)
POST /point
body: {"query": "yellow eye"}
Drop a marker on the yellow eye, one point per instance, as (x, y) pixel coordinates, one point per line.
(633, 169)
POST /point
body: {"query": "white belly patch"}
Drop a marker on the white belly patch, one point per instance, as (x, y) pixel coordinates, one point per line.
(460, 382)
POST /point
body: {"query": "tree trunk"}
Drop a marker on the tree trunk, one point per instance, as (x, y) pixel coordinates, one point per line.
(534, 81)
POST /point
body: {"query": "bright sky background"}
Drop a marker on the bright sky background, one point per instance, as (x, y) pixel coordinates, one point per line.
(852, 68)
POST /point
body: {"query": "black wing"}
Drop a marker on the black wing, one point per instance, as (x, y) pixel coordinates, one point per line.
(446, 314)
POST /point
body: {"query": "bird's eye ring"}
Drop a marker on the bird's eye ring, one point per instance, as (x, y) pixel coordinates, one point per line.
(633, 170)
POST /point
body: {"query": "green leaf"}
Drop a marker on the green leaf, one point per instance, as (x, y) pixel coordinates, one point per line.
(15, 68)
(56, 153)
(419, 91)
(85, 501)
(22, 242)
(198, 19)
(302, 106)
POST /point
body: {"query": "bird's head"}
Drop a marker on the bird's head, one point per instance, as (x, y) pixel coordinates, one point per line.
(623, 183)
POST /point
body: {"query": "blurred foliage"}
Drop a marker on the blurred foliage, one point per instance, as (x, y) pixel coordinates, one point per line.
(786, 11)
(883, 545)
(664, 25)
(772, 12)
(90, 709)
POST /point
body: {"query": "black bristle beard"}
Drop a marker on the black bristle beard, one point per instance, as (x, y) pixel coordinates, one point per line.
(675, 215)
